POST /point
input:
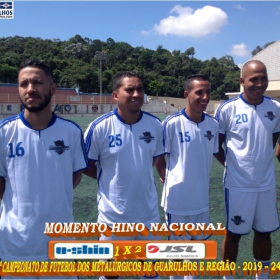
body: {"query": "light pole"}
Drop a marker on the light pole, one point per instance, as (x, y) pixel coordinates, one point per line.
(100, 56)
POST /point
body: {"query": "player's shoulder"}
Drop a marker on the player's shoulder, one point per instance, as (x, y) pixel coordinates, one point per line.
(101, 120)
(211, 122)
(227, 106)
(151, 117)
(9, 120)
(230, 102)
(67, 124)
(211, 119)
(173, 117)
(271, 100)
(149, 121)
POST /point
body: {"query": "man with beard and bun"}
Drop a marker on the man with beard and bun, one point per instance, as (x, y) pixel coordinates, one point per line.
(249, 128)
(42, 158)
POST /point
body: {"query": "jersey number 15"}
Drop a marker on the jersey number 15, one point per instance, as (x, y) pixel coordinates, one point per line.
(187, 137)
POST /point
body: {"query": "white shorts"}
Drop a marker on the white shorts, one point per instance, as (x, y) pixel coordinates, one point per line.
(150, 236)
(251, 210)
(193, 219)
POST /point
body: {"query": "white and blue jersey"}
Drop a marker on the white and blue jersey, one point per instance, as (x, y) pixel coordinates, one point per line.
(125, 153)
(38, 167)
(190, 147)
(249, 152)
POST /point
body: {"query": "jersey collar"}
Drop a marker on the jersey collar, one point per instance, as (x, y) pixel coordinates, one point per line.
(121, 119)
(245, 101)
(184, 114)
(26, 123)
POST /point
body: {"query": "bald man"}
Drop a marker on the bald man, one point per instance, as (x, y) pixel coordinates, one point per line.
(249, 128)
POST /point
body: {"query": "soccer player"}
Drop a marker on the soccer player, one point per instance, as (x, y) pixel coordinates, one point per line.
(42, 157)
(249, 128)
(191, 139)
(125, 144)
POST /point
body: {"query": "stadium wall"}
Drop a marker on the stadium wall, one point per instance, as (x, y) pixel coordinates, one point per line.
(85, 109)
(68, 102)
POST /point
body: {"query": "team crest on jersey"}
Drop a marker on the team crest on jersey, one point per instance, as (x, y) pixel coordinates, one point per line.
(270, 115)
(59, 147)
(147, 137)
(208, 135)
(237, 220)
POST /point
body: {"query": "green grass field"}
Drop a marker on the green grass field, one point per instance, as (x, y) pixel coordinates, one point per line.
(85, 206)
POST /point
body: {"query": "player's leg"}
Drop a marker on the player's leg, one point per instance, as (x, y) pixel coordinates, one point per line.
(230, 247)
(149, 237)
(266, 207)
(154, 238)
(198, 218)
(262, 246)
(170, 218)
(240, 212)
(110, 238)
(262, 253)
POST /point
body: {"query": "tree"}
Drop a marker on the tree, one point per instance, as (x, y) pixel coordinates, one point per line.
(73, 63)
(187, 58)
(8, 74)
(145, 59)
(258, 48)
(220, 78)
(110, 43)
(175, 64)
(227, 63)
(76, 39)
(156, 87)
(160, 59)
(76, 50)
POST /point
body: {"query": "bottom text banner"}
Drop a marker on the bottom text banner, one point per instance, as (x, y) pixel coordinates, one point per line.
(211, 269)
(132, 250)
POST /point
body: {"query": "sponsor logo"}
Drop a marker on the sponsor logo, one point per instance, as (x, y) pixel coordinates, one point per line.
(94, 108)
(59, 147)
(6, 10)
(83, 250)
(237, 220)
(208, 135)
(270, 115)
(147, 137)
(175, 250)
(152, 249)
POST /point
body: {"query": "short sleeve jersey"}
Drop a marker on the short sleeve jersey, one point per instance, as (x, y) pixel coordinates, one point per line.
(38, 167)
(190, 147)
(124, 152)
(249, 152)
